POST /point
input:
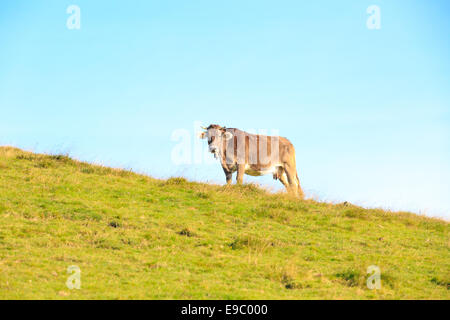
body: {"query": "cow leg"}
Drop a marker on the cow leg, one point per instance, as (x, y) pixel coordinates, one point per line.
(240, 173)
(292, 179)
(228, 175)
(283, 179)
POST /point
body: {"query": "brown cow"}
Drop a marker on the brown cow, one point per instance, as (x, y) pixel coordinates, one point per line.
(254, 155)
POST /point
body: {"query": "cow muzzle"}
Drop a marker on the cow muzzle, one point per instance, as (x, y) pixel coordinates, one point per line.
(215, 151)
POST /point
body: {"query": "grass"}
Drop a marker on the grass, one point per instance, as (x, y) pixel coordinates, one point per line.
(135, 237)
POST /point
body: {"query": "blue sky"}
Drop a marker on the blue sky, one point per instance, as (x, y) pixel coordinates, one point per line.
(367, 110)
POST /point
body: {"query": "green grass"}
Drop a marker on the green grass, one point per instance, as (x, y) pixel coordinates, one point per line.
(135, 237)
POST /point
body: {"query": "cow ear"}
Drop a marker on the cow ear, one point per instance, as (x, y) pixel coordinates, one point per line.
(202, 135)
(228, 135)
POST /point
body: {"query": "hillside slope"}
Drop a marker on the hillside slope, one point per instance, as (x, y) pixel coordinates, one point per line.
(141, 238)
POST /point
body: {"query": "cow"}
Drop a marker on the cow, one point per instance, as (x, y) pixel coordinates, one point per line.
(254, 155)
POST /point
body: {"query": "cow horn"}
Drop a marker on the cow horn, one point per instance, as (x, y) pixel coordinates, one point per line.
(204, 128)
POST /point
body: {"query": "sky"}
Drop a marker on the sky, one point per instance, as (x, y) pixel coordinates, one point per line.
(368, 110)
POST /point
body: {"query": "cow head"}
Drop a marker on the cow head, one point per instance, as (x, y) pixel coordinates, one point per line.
(216, 136)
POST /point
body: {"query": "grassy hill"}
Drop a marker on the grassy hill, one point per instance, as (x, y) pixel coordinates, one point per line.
(135, 237)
